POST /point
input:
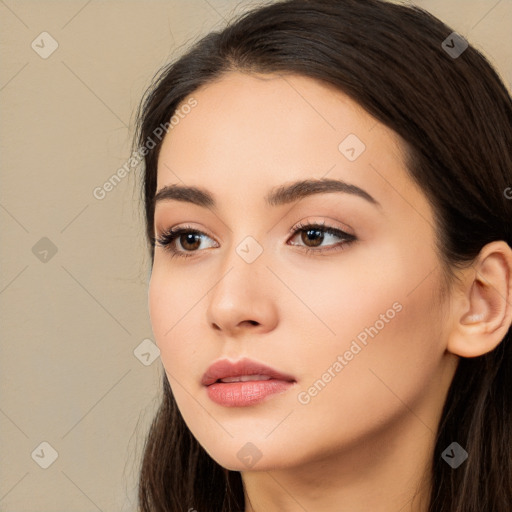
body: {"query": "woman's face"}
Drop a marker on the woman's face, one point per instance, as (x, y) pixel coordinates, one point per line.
(352, 316)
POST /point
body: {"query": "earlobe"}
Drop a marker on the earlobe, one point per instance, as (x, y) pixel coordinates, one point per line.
(484, 314)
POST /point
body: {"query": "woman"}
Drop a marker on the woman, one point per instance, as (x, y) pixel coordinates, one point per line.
(331, 289)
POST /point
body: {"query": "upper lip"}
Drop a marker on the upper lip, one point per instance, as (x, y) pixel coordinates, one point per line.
(225, 368)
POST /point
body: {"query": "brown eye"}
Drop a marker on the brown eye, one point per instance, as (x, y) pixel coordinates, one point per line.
(188, 241)
(314, 235)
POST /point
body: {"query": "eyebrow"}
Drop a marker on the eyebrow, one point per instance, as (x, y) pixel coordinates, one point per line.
(281, 195)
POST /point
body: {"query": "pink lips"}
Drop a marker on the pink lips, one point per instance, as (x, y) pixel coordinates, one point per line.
(242, 389)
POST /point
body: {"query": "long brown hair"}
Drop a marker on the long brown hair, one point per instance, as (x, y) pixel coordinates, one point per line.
(455, 116)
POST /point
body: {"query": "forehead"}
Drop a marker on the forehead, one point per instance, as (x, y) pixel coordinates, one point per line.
(248, 133)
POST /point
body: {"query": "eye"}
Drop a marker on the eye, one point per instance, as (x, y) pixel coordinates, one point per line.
(313, 235)
(189, 239)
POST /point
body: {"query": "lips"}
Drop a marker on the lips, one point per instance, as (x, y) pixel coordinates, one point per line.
(244, 383)
(242, 371)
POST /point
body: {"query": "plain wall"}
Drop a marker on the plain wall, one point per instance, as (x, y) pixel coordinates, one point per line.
(70, 321)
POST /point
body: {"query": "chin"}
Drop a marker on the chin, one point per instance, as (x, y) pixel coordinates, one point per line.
(248, 456)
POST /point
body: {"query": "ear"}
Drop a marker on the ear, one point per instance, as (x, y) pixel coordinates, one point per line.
(482, 308)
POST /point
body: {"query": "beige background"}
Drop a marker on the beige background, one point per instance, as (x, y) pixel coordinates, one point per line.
(70, 324)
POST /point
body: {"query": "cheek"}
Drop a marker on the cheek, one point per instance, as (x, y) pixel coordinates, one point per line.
(386, 343)
(388, 376)
(359, 296)
(170, 306)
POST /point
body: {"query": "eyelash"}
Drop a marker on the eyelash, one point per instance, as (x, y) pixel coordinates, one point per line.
(167, 238)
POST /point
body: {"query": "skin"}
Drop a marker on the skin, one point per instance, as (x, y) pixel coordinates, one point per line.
(364, 442)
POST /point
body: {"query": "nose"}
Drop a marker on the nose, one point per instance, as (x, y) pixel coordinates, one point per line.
(243, 299)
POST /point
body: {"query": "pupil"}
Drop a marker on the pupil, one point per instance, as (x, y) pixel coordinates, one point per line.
(313, 233)
(189, 238)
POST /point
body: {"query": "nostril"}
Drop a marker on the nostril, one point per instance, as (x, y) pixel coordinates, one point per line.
(248, 322)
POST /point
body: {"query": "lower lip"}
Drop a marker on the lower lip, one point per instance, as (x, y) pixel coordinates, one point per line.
(242, 394)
